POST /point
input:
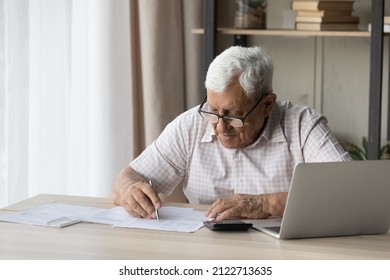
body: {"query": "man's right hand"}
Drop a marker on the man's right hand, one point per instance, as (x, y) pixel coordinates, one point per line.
(136, 195)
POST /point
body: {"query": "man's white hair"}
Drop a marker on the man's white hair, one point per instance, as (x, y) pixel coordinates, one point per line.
(251, 66)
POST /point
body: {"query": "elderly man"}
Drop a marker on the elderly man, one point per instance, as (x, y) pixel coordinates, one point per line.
(236, 151)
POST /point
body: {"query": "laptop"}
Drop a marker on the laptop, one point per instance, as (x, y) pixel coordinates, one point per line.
(334, 199)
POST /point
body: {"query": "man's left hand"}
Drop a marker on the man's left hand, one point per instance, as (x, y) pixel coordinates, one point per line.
(248, 206)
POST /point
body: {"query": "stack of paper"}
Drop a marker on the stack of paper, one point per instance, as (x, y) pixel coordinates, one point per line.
(61, 215)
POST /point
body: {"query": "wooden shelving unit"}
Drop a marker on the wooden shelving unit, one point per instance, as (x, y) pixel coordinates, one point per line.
(376, 58)
(285, 32)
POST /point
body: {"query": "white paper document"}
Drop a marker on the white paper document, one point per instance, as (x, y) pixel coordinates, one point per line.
(61, 215)
(171, 219)
(53, 214)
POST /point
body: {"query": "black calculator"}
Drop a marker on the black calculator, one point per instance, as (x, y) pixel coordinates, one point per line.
(227, 225)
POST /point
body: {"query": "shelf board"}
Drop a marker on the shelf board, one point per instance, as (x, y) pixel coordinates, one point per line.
(286, 32)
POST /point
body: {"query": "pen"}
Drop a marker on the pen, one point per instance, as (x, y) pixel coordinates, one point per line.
(157, 217)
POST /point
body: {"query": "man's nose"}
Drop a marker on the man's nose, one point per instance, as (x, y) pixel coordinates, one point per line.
(222, 125)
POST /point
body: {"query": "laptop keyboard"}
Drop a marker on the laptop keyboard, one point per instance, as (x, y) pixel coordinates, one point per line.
(274, 229)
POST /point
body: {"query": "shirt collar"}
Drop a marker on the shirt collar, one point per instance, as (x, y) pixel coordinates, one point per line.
(209, 134)
(273, 130)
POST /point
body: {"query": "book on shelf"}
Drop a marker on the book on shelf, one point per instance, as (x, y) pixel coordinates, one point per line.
(316, 26)
(323, 13)
(320, 5)
(328, 19)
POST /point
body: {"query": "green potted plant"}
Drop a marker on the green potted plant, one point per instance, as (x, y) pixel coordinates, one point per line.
(360, 153)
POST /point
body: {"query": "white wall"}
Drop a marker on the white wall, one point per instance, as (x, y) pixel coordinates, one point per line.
(330, 74)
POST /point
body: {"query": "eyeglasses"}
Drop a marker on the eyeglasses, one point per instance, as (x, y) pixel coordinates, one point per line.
(232, 121)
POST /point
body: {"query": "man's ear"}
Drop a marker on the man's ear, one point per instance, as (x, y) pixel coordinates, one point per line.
(269, 102)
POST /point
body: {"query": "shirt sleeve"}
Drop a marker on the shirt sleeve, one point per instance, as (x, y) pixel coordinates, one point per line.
(165, 160)
(320, 144)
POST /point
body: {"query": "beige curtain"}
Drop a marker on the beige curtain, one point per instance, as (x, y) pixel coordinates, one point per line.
(166, 64)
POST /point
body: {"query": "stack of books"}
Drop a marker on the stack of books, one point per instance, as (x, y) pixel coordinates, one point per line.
(325, 15)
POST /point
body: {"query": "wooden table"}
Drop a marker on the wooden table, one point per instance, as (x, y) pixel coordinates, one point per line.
(100, 242)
